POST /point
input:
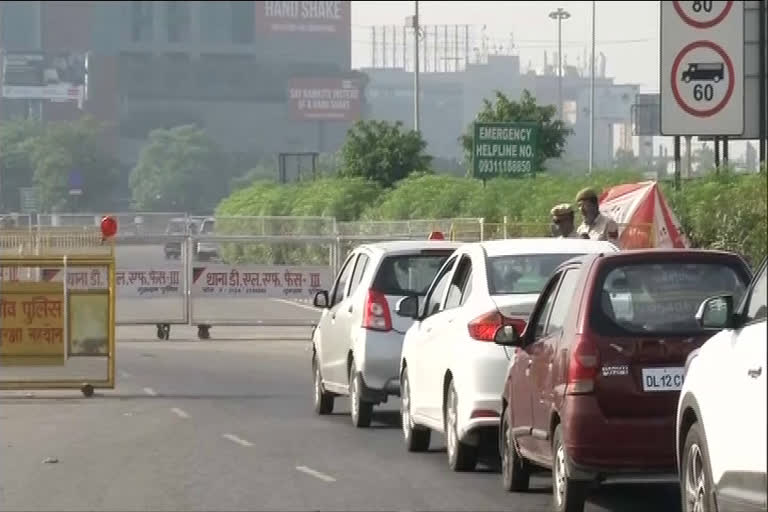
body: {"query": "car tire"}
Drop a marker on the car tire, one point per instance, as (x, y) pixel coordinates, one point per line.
(515, 471)
(461, 456)
(568, 495)
(323, 401)
(416, 437)
(360, 410)
(696, 489)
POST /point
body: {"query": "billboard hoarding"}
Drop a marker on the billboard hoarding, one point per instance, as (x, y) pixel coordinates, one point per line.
(58, 76)
(307, 17)
(324, 99)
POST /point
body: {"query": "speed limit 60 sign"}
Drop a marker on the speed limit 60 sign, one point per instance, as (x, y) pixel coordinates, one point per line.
(702, 67)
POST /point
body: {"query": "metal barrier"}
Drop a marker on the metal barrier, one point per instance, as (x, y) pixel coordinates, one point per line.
(57, 305)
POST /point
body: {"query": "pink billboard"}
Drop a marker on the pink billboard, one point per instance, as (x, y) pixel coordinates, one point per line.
(324, 99)
(308, 17)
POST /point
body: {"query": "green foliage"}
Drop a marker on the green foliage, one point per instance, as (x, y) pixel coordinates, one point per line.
(15, 159)
(552, 132)
(44, 155)
(724, 211)
(382, 152)
(342, 199)
(180, 169)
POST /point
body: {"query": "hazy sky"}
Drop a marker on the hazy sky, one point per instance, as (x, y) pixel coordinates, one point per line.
(626, 32)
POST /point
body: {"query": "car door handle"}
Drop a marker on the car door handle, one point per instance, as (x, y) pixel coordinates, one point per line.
(351, 308)
(755, 372)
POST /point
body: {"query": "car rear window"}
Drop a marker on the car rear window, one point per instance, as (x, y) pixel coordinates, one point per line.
(409, 274)
(512, 274)
(664, 297)
(176, 227)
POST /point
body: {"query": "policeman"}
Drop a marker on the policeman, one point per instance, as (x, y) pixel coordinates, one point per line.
(595, 225)
(563, 221)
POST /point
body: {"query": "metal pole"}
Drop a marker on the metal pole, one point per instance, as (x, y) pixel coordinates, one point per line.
(677, 162)
(560, 67)
(717, 154)
(688, 155)
(725, 152)
(592, 97)
(416, 68)
(763, 128)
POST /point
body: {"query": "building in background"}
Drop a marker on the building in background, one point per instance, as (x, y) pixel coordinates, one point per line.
(460, 67)
(260, 77)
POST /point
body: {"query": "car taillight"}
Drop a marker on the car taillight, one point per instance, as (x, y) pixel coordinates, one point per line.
(484, 327)
(376, 314)
(583, 367)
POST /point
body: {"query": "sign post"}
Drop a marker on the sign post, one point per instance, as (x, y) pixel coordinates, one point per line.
(702, 68)
(504, 149)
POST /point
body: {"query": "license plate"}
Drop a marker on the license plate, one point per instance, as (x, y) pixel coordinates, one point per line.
(663, 379)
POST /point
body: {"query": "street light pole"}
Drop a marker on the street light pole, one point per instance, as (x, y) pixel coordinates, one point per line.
(592, 97)
(560, 14)
(416, 68)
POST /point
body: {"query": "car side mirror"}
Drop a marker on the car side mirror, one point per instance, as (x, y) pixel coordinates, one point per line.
(716, 312)
(408, 307)
(508, 336)
(321, 299)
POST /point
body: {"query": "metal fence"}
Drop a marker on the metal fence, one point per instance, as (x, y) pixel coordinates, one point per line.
(246, 270)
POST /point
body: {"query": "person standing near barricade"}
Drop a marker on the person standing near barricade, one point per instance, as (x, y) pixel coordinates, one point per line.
(595, 225)
(563, 221)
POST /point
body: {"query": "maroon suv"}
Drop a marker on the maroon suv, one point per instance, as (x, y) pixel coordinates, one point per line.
(592, 389)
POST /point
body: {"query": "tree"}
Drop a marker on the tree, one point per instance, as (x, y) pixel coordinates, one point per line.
(383, 152)
(63, 149)
(180, 169)
(552, 133)
(15, 159)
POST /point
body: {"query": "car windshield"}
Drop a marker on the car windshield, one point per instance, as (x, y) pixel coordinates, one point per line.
(664, 297)
(522, 274)
(176, 227)
(408, 275)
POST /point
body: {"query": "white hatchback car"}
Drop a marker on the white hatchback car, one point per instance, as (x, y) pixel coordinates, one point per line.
(452, 373)
(357, 342)
(721, 413)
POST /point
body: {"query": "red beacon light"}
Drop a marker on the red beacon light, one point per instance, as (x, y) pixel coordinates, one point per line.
(108, 227)
(436, 235)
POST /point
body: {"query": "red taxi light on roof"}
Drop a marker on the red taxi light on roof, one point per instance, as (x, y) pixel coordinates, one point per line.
(436, 235)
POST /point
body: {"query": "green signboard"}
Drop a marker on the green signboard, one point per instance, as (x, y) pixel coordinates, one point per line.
(29, 199)
(504, 149)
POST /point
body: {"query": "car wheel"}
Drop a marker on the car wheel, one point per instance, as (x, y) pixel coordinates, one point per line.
(515, 472)
(569, 495)
(695, 474)
(416, 437)
(323, 400)
(360, 411)
(461, 456)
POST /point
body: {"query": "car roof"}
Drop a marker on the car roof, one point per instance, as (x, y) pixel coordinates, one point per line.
(408, 246)
(652, 255)
(545, 246)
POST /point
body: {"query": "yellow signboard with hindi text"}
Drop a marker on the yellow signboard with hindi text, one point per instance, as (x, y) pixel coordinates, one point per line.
(32, 319)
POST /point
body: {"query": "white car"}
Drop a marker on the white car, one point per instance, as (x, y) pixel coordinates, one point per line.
(452, 373)
(721, 414)
(357, 342)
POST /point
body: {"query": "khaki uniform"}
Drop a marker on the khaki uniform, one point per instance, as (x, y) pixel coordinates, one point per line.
(600, 229)
(574, 234)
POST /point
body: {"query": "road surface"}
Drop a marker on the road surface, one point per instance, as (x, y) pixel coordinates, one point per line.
(228, 425)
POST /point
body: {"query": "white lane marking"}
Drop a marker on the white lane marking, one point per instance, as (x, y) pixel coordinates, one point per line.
(235, 439)
(125, 374)
(311, 308)
(316, 474)
(150, 391)
(178, 412)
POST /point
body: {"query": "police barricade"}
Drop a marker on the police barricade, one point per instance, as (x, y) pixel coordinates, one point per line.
(57, 313)
(152, 280)
(258, 279)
